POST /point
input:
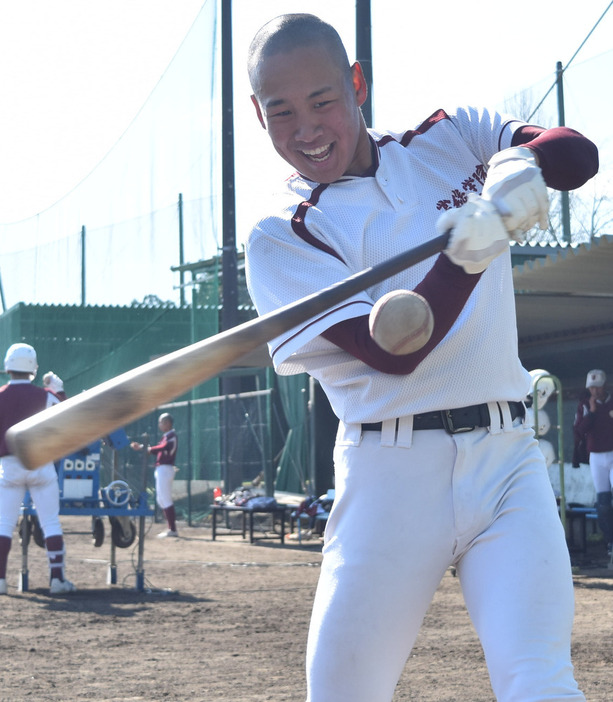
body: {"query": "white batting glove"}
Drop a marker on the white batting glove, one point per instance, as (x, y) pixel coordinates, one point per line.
(478, 234)
(515, 184)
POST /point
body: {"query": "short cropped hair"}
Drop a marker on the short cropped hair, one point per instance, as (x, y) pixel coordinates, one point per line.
(289, 31)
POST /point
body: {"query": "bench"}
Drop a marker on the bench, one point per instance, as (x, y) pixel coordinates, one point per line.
(296, 520)
(581, 515)
(318, 521)
(248, 516)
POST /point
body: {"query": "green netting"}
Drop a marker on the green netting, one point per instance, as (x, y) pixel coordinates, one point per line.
(224, 441)
(87, 345)
(259, 430)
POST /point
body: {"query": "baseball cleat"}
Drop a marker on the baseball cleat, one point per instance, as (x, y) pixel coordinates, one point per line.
(3, 587)
(169, 533)
(61, 586)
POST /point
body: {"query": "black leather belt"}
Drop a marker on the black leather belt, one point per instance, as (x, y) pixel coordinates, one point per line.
(457, 420)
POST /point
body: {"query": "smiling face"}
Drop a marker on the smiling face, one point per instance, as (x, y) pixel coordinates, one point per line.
(311, 109)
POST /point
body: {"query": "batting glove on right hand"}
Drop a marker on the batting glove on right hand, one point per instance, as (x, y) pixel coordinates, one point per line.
(515, 184)
(478, 234)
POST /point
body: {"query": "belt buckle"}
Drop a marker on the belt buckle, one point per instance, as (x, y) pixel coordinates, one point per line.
(448, 425)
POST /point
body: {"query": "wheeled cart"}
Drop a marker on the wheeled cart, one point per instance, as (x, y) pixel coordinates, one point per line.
(81, 494)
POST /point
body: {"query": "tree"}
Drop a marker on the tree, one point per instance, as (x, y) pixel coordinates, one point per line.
(152, 301)
(591, 213)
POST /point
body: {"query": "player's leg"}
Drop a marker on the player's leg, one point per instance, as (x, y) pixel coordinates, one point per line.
(610, 541)
(604, 511)
(388, 542)
(12, 493)
(164, 476)
(601, 470)
(163, 485)
(518, 586)
(45, 491)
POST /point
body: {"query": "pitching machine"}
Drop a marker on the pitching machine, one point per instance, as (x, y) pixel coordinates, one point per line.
(82, 494)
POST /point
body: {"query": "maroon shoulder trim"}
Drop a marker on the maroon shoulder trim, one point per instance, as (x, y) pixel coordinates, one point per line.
(310, 323)
(504, 126)
(300, 228)
(407, 137)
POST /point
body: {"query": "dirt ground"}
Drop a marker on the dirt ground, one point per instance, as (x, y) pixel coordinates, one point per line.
(226, 620)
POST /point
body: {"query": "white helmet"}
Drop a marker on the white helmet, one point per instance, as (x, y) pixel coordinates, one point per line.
(21, 358)
(546, 387)
(548, 451)
(544, 421)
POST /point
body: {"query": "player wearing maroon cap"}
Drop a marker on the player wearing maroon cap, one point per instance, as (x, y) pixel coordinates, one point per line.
(165, 454)
(594, 423)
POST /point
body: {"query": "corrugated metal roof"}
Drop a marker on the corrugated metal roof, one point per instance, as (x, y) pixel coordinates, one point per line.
(569, 291)
(586, 269)
(565, 307)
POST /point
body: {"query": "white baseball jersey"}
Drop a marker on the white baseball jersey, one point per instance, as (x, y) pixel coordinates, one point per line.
(320, 234)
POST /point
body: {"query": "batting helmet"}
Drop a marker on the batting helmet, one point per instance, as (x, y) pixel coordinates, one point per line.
(544, 389)
(548, 451)
(544, 421)
(21, 358)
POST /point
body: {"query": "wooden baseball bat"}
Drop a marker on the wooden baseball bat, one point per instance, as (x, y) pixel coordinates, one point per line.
(70, 425)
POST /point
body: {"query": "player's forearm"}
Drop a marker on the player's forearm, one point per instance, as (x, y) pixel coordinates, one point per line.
(446, 287)
(566, 158)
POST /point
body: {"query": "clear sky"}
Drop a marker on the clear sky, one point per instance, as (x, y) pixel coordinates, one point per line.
(75, 73)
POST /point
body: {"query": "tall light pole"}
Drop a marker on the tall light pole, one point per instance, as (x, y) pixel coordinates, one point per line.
(229, 265)
(564, 199)
(363, 47)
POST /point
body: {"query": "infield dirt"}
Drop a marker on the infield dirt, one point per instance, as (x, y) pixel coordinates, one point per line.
(225, 620)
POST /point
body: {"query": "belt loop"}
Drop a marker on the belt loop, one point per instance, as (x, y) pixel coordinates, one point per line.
(388, 432)
(494, 427)
(507, 420)
(348, 434)
(405, 431)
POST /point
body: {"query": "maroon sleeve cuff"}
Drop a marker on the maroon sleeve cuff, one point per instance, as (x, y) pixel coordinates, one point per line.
(566, 158)
(446, 287)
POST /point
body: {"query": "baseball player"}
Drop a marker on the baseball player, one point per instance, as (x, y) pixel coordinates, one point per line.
(53, 383)
(20, 399)
(165, 454)
(441, 427)
(594, 422)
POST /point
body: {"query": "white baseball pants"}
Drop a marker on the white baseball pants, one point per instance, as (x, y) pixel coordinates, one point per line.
(601, 468)
(480, 501)
(164, 475)
(44, 490)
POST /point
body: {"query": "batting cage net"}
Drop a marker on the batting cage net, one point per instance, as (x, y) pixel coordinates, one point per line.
(226, 442)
